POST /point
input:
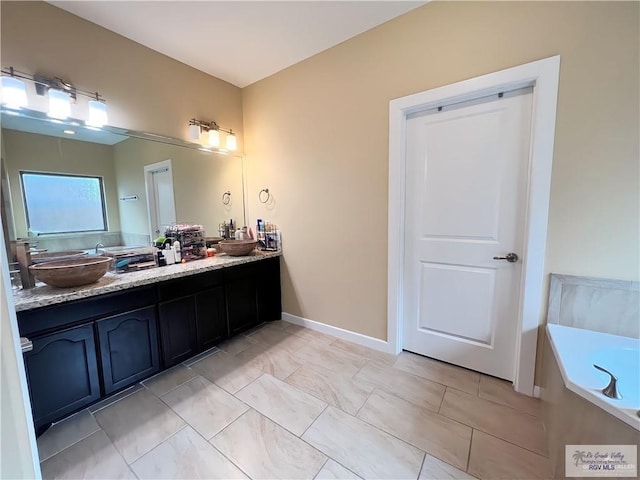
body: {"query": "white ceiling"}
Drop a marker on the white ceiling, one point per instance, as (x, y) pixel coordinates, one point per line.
(239, 41)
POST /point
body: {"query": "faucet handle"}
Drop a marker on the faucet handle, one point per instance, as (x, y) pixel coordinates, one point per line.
(610, 390)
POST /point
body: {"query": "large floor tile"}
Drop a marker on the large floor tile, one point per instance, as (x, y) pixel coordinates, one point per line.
(498, 420)
(335, 389)
(362, 448)
(418, 390)
(92, 457)
(237, 344)
(332, 470)
(279, 337)
(492, 459)
(429, 431)
(271, 359)
(169, 379)
(138, 423)
(371, 354)
(501, 391)
(204, 406)
(227, 372)
(65, 433)
(332, 359)
(185, 455)
(265, 450)
(434, 469)
(440, 372)
(314, 336)
(289, 407)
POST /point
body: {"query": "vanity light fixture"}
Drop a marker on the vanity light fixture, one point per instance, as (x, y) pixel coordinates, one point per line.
(60, 93)
(231, 141)
(97, 112)
(197, 127)
(59, 104)
(14, 91)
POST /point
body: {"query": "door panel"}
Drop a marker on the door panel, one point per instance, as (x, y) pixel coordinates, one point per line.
(439, 283)
(128, 348)
(466, 178)
(62, 371)
(178, 330)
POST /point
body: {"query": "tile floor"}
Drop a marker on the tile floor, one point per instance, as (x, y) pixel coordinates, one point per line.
(283, 401)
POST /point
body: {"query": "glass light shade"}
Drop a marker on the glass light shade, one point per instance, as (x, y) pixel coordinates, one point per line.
(59, 104)
(97, 114)
(14, 92)
(231, 142)
(194, 132)
(214, 138)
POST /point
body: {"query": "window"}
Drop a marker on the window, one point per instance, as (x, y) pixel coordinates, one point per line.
(60, 203)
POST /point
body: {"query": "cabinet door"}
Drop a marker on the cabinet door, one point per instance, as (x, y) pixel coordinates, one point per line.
(128, 348)
(62, 372)
(241, 304)
(269, 299)
(211, 324)
(178, 330)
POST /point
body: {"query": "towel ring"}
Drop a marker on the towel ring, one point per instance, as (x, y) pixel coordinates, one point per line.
(261, 196)
(226, 198)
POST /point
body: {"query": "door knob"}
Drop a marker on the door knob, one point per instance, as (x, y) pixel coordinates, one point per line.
(510, 257)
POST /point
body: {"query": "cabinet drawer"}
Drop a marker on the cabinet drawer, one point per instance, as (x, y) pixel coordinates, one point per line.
(55, 316)
(182, 287)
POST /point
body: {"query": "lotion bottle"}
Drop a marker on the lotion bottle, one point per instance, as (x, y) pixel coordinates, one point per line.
(176, 251)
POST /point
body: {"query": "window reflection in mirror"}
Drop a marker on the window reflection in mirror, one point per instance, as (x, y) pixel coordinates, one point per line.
(31, 143)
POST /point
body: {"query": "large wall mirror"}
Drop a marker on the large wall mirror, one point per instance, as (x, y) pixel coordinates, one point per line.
(67, 186)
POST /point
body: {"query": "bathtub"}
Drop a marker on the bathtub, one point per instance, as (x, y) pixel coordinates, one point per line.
(576, 350)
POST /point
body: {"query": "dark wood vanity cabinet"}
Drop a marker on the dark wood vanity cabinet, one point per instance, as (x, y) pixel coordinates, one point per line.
(86, 349)
(192, 316)
(211, 318)
(62, 373)
(128, 348)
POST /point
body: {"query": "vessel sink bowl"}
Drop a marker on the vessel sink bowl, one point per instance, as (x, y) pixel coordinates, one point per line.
(53, 256)
(72, 272)
(236, 248)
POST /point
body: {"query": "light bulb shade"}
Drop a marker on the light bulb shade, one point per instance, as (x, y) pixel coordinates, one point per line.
(14, 92)
(194, 132)
(59, 104)
(214, 138)
(97, 114)
(231, 142)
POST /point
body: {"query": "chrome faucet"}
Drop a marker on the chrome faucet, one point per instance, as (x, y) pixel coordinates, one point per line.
(610, 390)
(98, 245)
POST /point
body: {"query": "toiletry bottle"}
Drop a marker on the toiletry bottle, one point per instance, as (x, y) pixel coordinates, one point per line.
(238, 234)
(227, 231)
(169, 255)
(176, 251)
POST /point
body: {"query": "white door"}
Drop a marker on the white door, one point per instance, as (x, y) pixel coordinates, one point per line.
(162, 209)
(466, 181)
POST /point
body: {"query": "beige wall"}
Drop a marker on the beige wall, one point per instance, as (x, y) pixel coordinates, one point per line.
(317, 136)
(44, 153)
(145, 90)
(199, 180)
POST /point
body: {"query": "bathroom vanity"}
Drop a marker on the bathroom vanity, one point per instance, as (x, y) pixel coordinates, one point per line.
(90, 342)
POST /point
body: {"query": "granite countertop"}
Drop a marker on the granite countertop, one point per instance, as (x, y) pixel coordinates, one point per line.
(43, 295)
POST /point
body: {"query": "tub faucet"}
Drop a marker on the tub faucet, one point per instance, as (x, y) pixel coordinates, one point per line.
(610, 390)
(98, 245)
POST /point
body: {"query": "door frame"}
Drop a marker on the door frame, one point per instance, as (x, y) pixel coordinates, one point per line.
(149, 190)
(543, 75)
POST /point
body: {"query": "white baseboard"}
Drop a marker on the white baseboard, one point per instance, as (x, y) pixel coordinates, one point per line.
(536, 391)
(364, 340)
